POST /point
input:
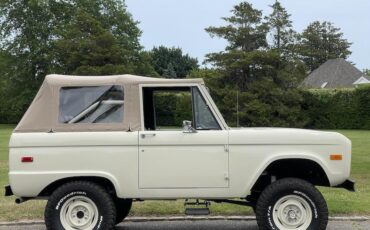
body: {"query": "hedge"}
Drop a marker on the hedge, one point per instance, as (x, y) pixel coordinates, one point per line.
(338, 108)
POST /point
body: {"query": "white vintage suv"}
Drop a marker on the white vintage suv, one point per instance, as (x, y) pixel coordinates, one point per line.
(93, 145)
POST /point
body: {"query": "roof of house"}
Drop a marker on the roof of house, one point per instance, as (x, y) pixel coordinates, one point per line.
(335, 73)
(362, 80)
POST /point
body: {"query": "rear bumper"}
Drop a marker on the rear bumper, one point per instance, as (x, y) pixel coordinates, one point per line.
(348, 184)
(8, 191)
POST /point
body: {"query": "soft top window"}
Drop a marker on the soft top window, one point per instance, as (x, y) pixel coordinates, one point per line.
(91, 104)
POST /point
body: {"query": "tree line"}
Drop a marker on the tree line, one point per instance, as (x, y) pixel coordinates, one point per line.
(261, 67)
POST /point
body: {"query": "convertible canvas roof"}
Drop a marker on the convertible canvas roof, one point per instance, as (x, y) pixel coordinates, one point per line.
(64, 80)
(42, 115)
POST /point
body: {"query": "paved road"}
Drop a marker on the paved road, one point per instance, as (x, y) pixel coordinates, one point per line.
(204, 224)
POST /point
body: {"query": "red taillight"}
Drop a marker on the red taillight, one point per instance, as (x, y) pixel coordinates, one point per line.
(27, 159)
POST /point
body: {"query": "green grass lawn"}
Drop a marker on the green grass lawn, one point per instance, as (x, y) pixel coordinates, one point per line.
(340, 201)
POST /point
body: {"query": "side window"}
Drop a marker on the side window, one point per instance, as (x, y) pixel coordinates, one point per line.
(167, 108)
(203, 116)
(91, 104)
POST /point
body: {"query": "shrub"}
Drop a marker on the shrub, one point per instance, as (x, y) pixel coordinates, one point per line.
(338, 108)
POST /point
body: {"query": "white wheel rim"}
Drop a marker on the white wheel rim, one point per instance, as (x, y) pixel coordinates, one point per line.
(79, 212)
(292, 212)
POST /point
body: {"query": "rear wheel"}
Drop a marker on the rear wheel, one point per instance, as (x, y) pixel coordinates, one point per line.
(291, 203)
(123, 208)
(80, 205)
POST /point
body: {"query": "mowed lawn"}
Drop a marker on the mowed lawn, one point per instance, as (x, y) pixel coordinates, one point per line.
(340, 201)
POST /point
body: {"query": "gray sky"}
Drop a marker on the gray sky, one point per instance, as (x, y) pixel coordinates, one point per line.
(181, 23)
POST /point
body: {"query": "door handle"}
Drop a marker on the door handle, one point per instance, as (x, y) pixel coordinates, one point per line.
(143, 135)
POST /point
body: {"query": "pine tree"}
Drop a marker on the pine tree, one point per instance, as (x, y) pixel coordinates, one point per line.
(264, 74)
(245, 58)
(280, 26)
(171, 62)
(321, 41)
(284, 38)
(290, 70)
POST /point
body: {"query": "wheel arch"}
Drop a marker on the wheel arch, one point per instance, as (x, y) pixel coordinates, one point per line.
(103, 181)
(307, 169)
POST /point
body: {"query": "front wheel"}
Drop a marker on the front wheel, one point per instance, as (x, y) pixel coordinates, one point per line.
(291, 203)
(80, 205)
(123, 207)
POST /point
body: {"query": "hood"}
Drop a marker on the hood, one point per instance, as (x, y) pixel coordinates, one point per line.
(279, 136)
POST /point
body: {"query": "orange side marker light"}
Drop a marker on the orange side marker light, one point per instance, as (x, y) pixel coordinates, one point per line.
(336, 157)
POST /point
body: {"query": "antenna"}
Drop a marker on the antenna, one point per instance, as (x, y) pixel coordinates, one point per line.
(237, 108)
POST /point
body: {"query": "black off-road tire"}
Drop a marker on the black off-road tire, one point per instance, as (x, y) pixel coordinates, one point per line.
(83, 189)
(287, 187)
(123, 207)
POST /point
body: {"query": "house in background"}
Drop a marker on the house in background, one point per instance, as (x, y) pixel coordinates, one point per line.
(335, 73)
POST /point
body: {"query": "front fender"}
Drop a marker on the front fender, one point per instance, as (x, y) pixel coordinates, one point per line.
(290, 156)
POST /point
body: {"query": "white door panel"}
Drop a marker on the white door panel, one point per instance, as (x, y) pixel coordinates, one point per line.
(173, 159)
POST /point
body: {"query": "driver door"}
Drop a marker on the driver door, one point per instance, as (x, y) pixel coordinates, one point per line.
(171, 158)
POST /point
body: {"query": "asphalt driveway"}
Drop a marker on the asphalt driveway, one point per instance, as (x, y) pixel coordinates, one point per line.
(202, 224)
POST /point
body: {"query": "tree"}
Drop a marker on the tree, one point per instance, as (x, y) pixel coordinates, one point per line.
(245, 30)
(171, 62)
(367, 72)
(321, 41)
(25, 35)
(244, 62)
(86, 48)
(280, 26)
(264, 76)
(222, 92)
(5, 62)
(111, 14)
(245, 58)
(44, 37)
(290, 69)
(284, 37)
(26, 39)
(112, 43)
(35, 31)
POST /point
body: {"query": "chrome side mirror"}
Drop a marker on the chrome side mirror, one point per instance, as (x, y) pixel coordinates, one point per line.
(187, 128)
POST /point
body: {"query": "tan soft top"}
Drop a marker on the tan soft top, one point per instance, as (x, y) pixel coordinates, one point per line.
(126, 79)
(42, 115)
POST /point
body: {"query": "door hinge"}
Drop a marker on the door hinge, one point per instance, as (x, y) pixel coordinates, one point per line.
(226, 148)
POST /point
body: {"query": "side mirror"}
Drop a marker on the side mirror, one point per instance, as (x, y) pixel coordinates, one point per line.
(187, 128)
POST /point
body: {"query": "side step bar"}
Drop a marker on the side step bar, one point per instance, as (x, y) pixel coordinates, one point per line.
(238, 202)
(197, 211)
(194, 210)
